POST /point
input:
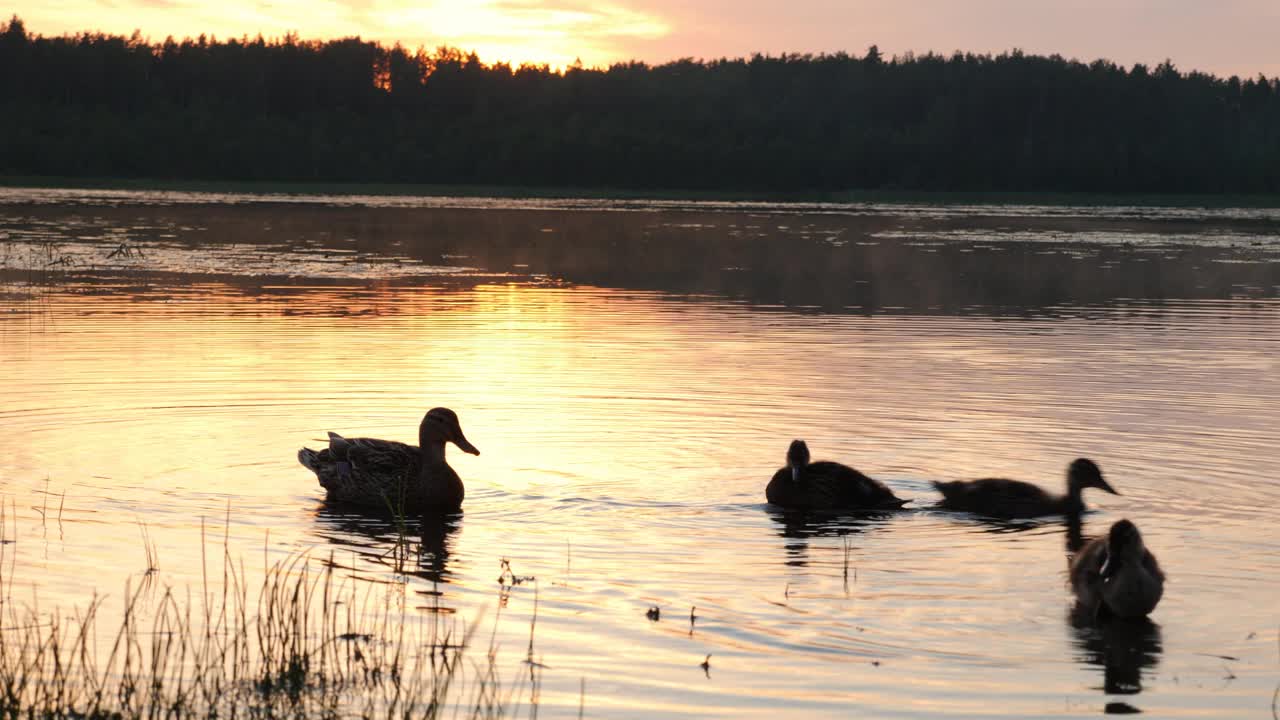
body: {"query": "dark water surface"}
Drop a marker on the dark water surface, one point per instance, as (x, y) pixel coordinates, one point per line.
(632, 373)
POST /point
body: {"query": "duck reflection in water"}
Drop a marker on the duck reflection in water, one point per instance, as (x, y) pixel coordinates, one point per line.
(1122, 648)
(415, 545)
(799, 526)
(1071, 527)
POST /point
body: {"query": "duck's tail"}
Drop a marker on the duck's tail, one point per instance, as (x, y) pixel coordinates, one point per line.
(310, 459)
(946, 488)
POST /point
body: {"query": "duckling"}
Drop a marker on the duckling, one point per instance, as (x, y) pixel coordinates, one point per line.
(1014, 499)
(390, 475)
(824, 485)
(1117, 575)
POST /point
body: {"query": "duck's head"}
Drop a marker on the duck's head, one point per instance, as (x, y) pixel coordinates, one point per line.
(1084, 473)
(797, 458)
(440, 426)
(1124, 546)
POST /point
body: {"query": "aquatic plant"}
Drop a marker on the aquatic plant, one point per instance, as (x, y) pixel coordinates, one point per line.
(309, 642)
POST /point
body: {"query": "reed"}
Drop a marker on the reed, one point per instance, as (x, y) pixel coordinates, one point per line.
(1275, 696)
(306, 643)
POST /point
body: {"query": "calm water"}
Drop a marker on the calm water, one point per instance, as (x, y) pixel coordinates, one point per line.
(632, 373)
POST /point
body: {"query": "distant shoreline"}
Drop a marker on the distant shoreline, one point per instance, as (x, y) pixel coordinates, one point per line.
(958, 128)
(605, 193)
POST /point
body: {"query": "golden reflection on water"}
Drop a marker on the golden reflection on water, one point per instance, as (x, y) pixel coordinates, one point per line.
(627, 437)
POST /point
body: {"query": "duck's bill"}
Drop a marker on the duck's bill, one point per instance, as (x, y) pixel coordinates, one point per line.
(464, 446)
(1106, 486)
(795, 473)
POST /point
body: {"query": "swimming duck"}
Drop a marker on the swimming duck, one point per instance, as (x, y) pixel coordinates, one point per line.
(1014, 499)
(390, 475)
(1116, 575)
(803, 485)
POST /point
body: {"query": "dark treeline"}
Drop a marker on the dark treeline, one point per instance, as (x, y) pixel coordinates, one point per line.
(349, 110)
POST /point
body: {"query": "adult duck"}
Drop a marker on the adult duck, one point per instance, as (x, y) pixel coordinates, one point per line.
(1116, 575)
(804, 485)
(390, 475)
(1014, 499)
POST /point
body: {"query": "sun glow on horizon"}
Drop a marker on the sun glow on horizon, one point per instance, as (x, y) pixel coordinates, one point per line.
(521, 31)
(562, 32)
(558, 33)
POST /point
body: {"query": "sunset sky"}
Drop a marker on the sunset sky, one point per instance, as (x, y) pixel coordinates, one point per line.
(1221, 36)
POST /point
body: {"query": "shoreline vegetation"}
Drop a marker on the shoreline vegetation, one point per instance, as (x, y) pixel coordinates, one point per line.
(310, 642)
(350, 111)
(418, 190)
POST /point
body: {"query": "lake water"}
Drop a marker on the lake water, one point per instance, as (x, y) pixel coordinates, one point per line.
(632, 373)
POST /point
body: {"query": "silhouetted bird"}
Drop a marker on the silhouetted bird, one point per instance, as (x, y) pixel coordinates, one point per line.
(1116, 575)
(1011, 499)
(803, 485)
(391, 475)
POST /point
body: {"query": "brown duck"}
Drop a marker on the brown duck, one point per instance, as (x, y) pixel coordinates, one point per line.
(390, 475)
(1014, 499)
(1116, 575)
(803, 485)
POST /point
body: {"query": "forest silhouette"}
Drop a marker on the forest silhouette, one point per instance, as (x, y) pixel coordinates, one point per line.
(349, 110)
